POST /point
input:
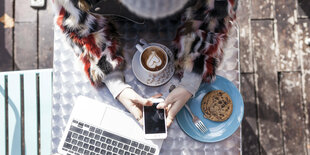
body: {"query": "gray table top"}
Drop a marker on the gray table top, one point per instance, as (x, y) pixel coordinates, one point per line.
(69, 81)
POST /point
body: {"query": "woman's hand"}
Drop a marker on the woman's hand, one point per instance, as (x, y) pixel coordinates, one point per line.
(134, 103)
(174, 103)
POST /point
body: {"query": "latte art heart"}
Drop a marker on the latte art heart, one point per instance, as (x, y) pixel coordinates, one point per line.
(153, 61)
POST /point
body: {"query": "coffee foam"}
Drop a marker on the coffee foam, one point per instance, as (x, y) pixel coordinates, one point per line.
(153, 59)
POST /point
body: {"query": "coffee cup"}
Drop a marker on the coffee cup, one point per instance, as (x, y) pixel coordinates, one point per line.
(153, 59)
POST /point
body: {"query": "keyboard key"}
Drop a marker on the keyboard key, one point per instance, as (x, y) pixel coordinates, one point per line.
(126, 147)
(120, 145)
(85, 146)
(86, 152)
(150, 154)
(116, 137)
(85, 133)
(143, 153)
(103, 145)
(91, 147)
(152, 150)
(109, 147)
(92, 153)
(80, 144)
(141, 146)
(81, 150)
(68, 138)
(147, 148)
(74, 135)
(109, 153)
(102, 139)
(92, 129)
(98, 131)
(67, 145)
(137, 151)
(109, 141)
(115, 150)
(97, 137)
(81, 125)
(91, 135)
(75, 148)
(134, 144)
(74, 141)
(75, 129)
(97, 150)
(131, 149)
(92, 141)
(102, 152)
(86, 139)
(80, 137)
(97, 143)
(86, 125)
(120, 152)
(75, 121)
(114, 143)
(127, 153)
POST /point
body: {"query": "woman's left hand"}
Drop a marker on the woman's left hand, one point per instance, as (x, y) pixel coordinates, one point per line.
(174, 103)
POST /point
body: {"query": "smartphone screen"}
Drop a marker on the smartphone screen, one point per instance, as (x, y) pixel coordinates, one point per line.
(154, 121)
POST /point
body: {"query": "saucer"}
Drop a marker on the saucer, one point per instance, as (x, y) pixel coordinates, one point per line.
(149, 79)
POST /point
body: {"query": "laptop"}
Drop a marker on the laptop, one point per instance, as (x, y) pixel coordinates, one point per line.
(97, 128)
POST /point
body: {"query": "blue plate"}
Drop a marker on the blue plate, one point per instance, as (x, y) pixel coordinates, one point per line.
(217, 131)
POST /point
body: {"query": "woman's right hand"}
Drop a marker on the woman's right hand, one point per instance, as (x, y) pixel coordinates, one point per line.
(134, 103)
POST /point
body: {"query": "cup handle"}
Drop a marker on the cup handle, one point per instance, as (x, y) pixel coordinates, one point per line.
(139, 48)
(142, 41)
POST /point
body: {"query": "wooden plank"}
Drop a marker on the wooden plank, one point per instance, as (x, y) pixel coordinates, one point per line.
(6, 38)
(269, 124)
(249, 123)
(14, 114)
(306, 90)
(303, 8)
(262, 9)
(46, 37)
(46, 111)
(30, 113)
(26, 45)
(304, 33)
(24, 12)
(244, 21)
(2, 115)
(288, 57)
(292, 113)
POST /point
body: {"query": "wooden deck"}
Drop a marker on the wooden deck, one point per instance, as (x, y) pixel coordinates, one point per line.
(275, 66)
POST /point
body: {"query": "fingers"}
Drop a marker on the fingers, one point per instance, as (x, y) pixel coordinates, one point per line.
(157, 96)
(142, 101)
(165, 104)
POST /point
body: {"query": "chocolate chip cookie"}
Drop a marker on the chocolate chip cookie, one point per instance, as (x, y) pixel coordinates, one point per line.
(217, 106)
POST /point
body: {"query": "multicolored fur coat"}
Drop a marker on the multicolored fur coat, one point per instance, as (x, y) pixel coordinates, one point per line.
(199, 40)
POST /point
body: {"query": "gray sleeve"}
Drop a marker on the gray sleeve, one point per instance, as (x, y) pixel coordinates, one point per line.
(115, 83)
(190, 82)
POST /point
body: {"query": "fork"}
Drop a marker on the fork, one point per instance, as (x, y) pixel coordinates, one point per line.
(198, 123)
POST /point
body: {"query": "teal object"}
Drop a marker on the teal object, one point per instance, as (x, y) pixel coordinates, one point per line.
(34, 89)
(217, 131)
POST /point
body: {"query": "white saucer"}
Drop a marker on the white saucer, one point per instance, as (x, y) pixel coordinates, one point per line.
(153, 80)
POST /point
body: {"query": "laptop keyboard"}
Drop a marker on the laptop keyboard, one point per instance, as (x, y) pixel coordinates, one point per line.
(86, 139)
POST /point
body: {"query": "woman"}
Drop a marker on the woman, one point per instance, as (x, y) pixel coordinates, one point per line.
(199, 41)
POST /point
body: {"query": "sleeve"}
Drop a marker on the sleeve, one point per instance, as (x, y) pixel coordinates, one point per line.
(94, 40)
(200, 39)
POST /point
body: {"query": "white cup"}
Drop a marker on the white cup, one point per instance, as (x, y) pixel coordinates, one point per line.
(154, 59)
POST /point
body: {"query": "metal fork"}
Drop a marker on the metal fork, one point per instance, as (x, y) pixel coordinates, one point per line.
(198, 123)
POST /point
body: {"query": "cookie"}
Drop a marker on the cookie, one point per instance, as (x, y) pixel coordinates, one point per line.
(217, 106)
